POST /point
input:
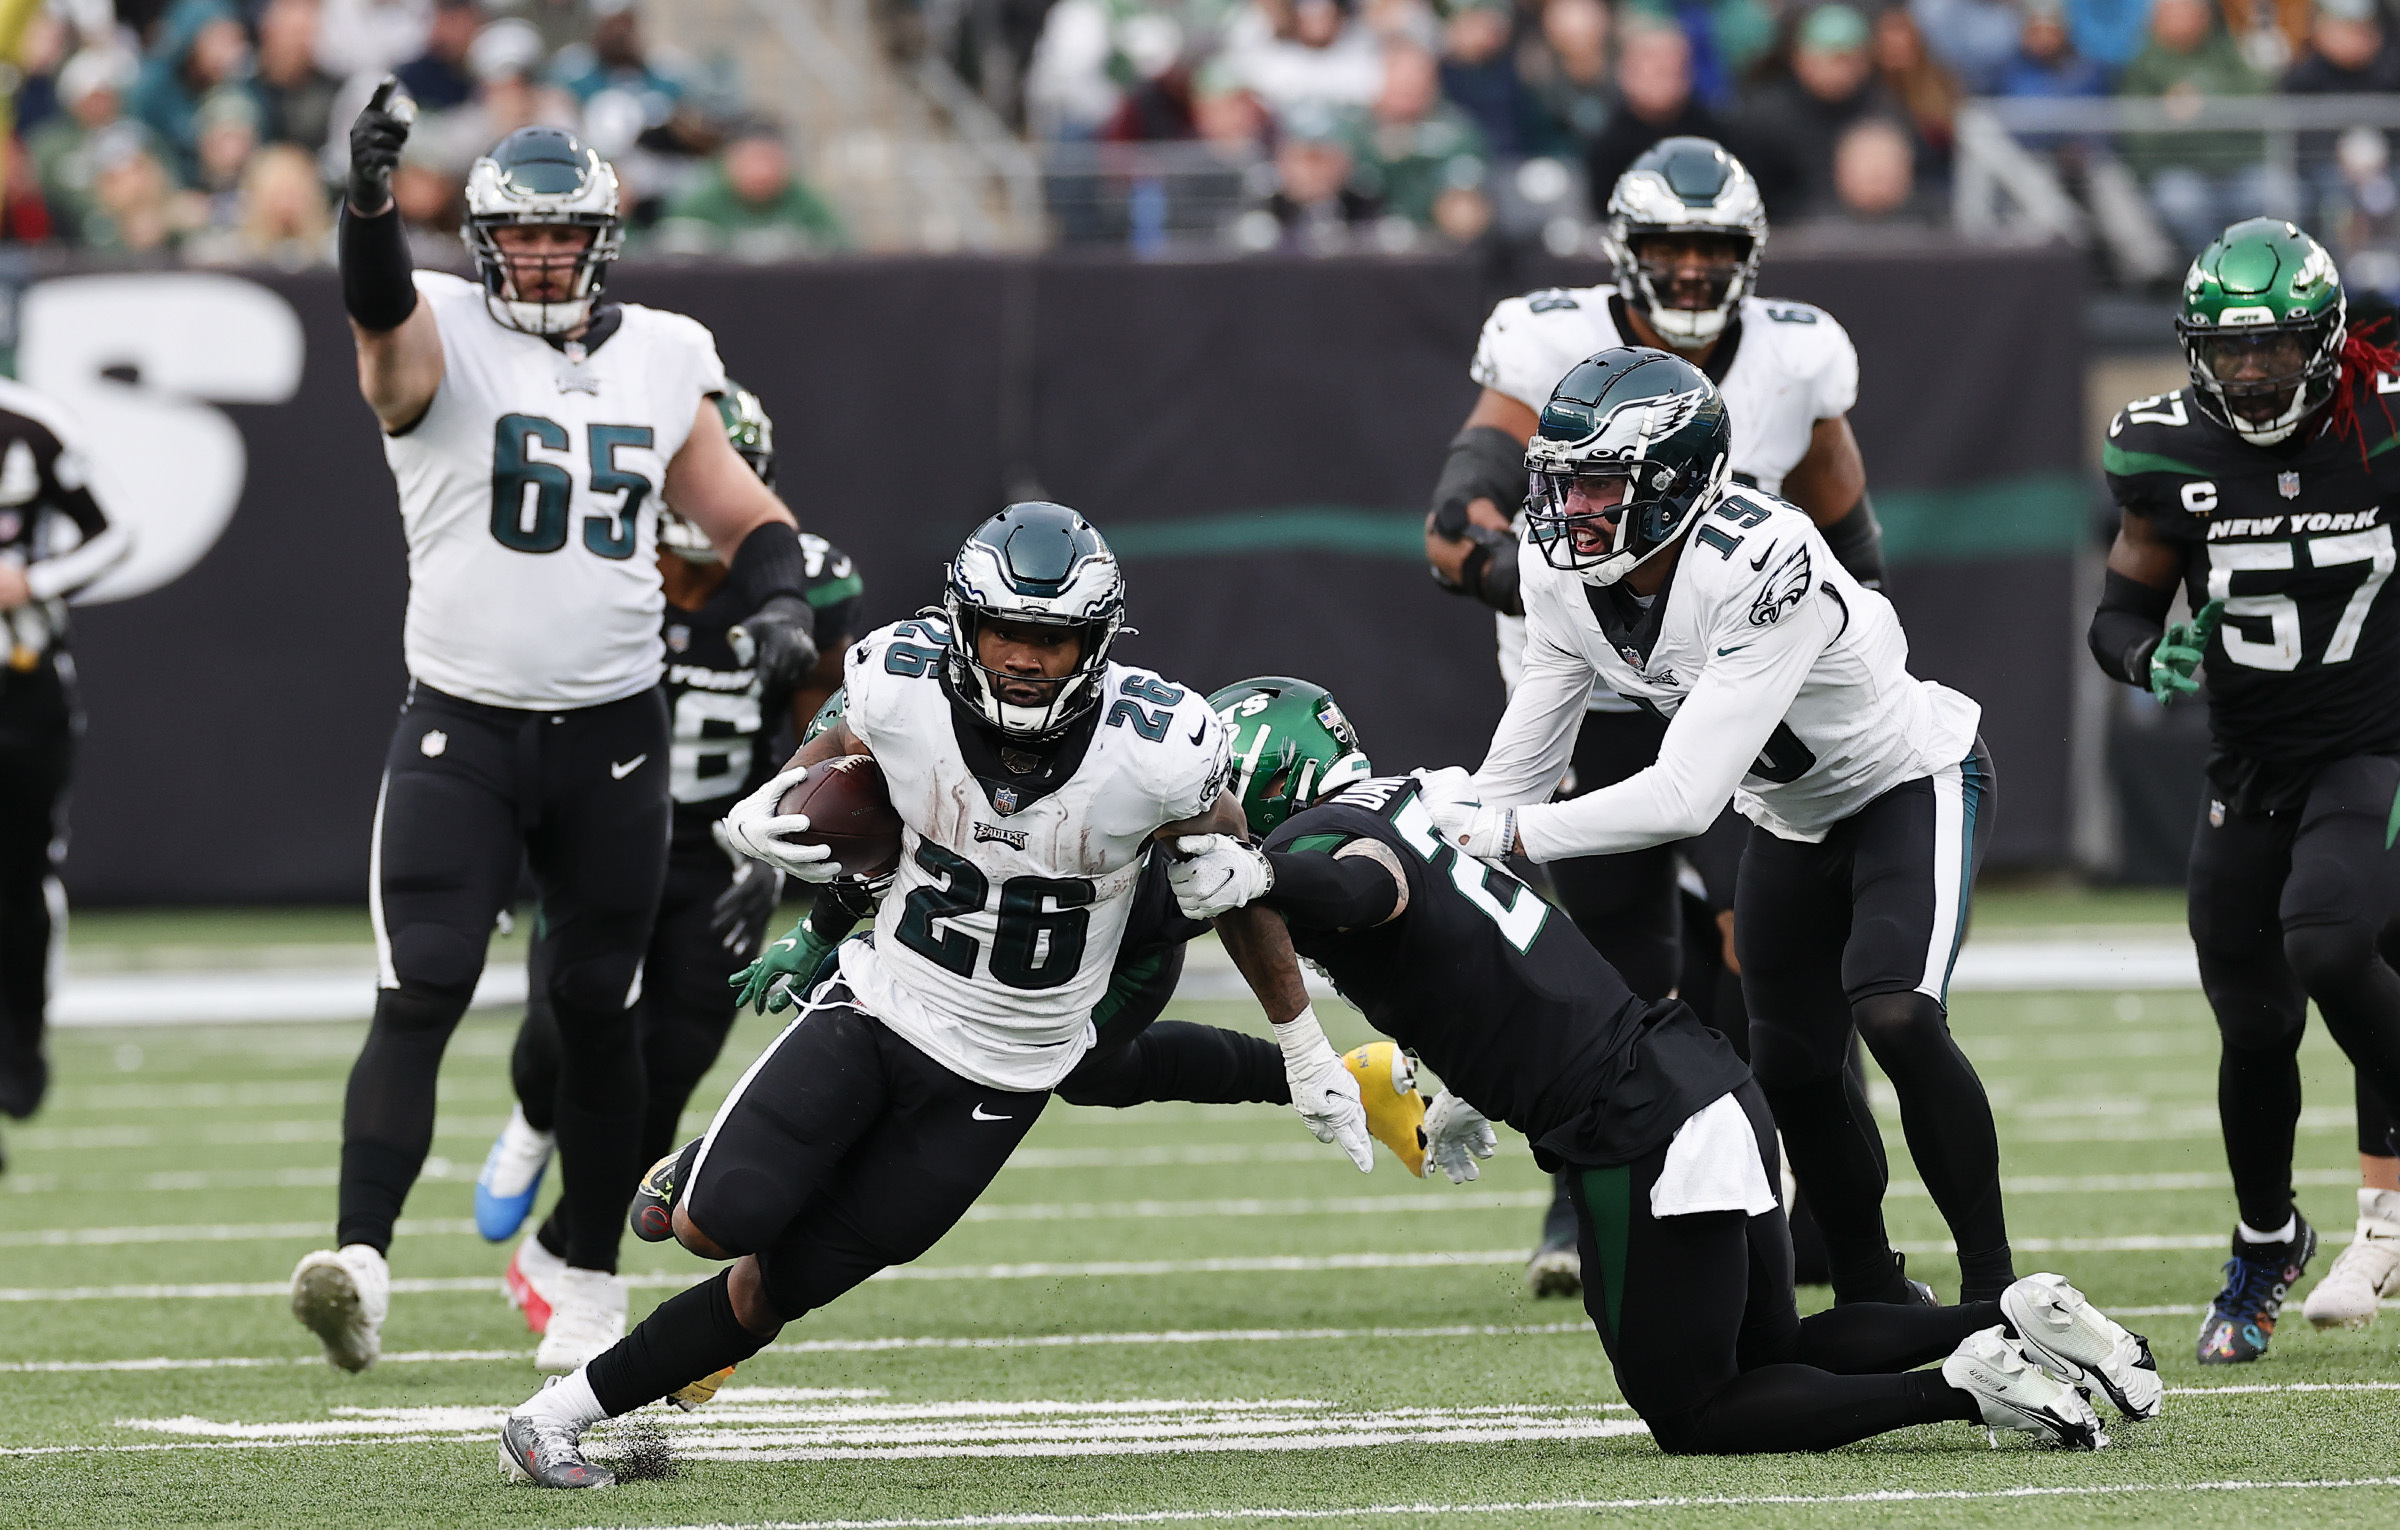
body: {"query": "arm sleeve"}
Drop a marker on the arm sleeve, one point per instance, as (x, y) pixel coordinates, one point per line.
(1318, 890)
(1715, 735)
(1536, 738)
(2126, 628)
(66, 490)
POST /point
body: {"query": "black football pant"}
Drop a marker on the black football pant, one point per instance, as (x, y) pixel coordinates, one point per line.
(1698, 1318)
(471, 794)
(38, 728)
(2288, 907)
(1860, 931)
(1140, 1059)
(680, 1023)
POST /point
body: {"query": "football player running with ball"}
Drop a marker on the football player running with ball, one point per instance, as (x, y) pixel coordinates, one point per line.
(1665, 1140)
(533, 431)
(2264, 490)
(1686, 230)
(725, 724)
(1785, 687)
(1032, 775)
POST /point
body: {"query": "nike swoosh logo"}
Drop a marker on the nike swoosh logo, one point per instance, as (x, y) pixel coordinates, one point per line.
(784, 945)
(977, 1113)
(1760, 561)
(628, 768)
(1197, 732)
(1736, 648)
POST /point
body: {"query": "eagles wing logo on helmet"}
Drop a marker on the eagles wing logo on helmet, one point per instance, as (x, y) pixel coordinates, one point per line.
(542, 177)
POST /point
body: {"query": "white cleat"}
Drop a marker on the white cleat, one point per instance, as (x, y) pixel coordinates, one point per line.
(532, 1280)
(2075, 1341)
(1555, 1269)
(343, 1296)
(587, 1315)
(2013, 1392)
(2352, 1291)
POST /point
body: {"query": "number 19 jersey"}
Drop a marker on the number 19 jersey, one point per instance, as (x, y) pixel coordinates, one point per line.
(529, 494)
(2296, 539)
(1000, 929)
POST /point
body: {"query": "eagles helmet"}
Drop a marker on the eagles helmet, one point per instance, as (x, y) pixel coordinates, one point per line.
(1632, 446)
(542, 177)
(1685, 186)
(2262, 325)
(753, 438)
(1291, 745)
(1034, 564)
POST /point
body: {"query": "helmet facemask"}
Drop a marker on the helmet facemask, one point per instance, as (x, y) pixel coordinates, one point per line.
(685, 540)
(1041, 571)
(542, 178)
(1679, 191)
(1601, 507)
(2263, 380)
(1018, 704)
(1689, 313)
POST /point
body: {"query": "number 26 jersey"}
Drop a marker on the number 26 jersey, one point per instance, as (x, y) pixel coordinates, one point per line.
(529, 494)
(1000, 929)
(2296, 539)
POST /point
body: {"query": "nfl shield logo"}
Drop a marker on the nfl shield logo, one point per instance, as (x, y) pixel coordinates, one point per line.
(679, 639)
(2288, 485)
(1004, 798)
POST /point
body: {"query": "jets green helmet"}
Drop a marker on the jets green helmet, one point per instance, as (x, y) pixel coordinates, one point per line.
(836, 707)
(1291, 746)
(1685, 186)
(542, 177)
(753, 438)
(1633, 445)
(1034, 565)
(2262, 325)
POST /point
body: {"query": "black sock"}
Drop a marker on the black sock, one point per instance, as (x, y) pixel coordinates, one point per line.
(1984, 1275)
(1947, 1117)
(552, 1234)
(387, 1109)
(1868, 1338)
(689, 1335)
(1797, 1407)
(2258, 1105)
(598, 1162)
(1835, 1154)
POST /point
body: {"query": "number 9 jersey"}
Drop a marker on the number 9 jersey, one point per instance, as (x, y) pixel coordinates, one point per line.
(529, 494)
(2296, 539)
(1001, 927)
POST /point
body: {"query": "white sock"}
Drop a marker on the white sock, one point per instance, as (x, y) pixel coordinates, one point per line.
(569, 1401)
(2283, 1234)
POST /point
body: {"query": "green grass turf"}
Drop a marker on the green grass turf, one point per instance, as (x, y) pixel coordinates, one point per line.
(236, 1127)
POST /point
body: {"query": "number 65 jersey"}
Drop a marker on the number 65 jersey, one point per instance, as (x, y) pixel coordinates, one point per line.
(2297, 541)
(529, 493)
(1000, 929)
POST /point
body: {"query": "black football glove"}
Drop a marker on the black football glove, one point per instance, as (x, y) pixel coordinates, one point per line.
(738, 917)
(376, 139)
(778, 641)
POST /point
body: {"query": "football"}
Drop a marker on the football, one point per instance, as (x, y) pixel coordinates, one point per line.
(849, 812)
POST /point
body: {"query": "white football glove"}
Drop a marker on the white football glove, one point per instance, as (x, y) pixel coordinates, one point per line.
(1218, 874)
(1452, 783)
(1456, 1134)
(756, 830)
(1324, 1092)
(1487, 833)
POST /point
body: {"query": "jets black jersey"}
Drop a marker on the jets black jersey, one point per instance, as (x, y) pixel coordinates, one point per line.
(2296, 539)
(1504, 997)
(726, 733)
(50, 524)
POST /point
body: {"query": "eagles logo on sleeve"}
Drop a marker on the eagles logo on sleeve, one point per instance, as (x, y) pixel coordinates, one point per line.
(1783, 589)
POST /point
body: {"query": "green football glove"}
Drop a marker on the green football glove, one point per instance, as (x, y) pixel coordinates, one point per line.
(787, 969)
(2180, 652)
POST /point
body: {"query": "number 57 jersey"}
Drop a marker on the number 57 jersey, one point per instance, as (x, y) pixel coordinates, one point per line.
(2297, 541)
(529, 493)
(1000, 929)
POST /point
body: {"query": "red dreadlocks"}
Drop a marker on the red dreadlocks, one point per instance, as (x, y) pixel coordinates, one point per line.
(2362, 360)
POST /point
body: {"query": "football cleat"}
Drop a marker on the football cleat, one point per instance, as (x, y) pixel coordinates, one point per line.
(511, 1178)
(2257, 1279)
(652, 1217)
(2352, 1291)
(2075, 1341)
(2013, 1392)
(533, 1274)
(1387, 1086)
(1555, 1269)
(587, 1315)
(342, 1296)
(693, 1396)
(547, 1452)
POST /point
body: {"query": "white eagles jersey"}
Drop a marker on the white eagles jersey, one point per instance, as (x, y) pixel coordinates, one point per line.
(1785, 683)
(1000, 929)
(1791, 366)
(529, 493)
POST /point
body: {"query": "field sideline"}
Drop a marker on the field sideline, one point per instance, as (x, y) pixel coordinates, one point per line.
(1176, 1315)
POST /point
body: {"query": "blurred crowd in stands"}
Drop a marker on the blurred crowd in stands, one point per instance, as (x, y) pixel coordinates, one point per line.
(1389, 121)
(217, 130)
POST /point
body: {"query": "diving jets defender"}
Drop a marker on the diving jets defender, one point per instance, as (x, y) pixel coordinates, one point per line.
(1785, 688)
(1686, 230)
(533, 429)
(1033, 776)
(1663, 1136)
(2265, 490)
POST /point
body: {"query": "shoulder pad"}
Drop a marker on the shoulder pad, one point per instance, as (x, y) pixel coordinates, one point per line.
(1754, 565)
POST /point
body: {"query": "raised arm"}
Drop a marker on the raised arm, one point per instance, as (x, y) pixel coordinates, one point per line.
(399, 345)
